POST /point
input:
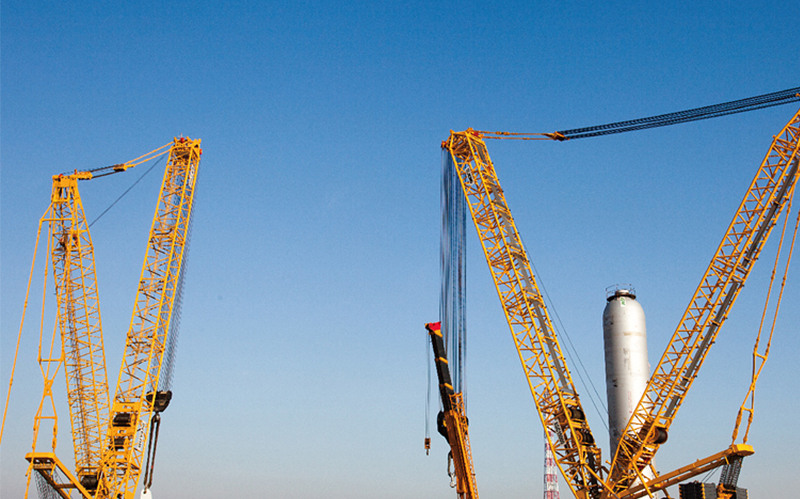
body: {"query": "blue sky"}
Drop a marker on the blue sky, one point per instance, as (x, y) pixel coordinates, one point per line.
(314, 261)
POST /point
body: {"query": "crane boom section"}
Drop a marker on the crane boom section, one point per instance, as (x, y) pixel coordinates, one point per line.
(79, 323)
(455, 419)
(549, 380)
(156, 300)
(729, 268)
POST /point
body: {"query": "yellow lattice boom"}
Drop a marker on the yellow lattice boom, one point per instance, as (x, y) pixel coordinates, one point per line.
(545, 369)
(138, 384)
(740, 247)
(79, 322)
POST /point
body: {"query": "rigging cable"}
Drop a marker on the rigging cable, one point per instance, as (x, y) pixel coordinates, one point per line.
(452, 304)
(428, 396)
(573, 354)
(126, 191)
(168, 364)
(699, 113)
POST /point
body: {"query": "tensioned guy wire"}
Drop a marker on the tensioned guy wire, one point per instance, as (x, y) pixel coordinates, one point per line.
(126, 191)
(699, 113)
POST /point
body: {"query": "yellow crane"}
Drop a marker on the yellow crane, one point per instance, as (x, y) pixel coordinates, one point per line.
(452, 421)
(555, 397)
(109, 435)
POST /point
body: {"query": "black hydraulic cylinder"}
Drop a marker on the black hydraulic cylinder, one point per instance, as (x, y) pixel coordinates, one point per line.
(442, 367)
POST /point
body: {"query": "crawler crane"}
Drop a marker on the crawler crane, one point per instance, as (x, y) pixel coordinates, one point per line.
(109, 436)
(555, 397)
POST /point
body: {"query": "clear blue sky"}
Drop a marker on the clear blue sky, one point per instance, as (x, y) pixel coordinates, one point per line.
(314, 261)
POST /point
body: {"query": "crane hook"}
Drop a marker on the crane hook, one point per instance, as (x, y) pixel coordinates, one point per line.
(450, 473)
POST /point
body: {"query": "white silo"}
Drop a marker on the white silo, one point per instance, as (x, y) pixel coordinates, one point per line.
(627, 368)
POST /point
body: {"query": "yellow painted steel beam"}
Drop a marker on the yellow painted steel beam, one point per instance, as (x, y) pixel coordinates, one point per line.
(458, 436)
(689, 471)
(48, 466)
(79, 321)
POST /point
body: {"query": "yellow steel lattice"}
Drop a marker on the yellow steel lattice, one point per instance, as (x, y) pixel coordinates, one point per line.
(708, 309)
(79, 323)
(549, 380)
(131, 409)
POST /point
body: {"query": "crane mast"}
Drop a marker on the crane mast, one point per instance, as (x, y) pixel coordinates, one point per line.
(548, 377)
(138, 395)
(741, 245)
(78, 319)
(453, 418)
(79, 326)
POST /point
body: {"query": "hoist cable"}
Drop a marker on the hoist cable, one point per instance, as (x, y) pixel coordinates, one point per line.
(427, 441)
(452, 302)
(574, 353)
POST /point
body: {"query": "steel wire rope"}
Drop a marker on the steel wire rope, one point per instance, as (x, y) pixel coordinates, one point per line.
(740, 105)
(700, 113)
(452, 302)
(98, 217)
(452, 299)
(428, 392)
(709, 474)
(562, 330)
(168, 364)
(45, 489)
(664, 123)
